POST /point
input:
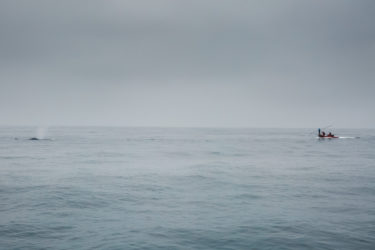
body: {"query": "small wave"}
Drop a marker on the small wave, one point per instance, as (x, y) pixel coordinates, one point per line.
(215, 153)
(247, 197)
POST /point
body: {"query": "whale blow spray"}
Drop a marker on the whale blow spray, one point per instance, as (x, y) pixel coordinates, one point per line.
(41, 132)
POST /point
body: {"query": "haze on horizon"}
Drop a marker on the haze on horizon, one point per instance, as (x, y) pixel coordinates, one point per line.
(211, 63)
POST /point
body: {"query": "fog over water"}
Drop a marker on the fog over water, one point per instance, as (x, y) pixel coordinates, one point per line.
(188, 63)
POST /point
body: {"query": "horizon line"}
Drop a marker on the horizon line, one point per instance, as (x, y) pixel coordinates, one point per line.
(172, 127)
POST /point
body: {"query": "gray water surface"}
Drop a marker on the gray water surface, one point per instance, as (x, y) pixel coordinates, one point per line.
(163, 188)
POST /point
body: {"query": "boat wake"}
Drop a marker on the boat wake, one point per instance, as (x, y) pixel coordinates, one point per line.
(348, 137)
(340, 137)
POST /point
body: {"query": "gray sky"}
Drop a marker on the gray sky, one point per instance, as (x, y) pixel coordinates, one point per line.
(188, 63)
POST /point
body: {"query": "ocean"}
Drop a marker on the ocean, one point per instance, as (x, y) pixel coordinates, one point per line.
(186, 188)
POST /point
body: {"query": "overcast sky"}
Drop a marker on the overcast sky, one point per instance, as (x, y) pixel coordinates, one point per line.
(188, 63)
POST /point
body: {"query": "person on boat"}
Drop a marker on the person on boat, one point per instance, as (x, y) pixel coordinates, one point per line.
(321, 134)
(330, 134)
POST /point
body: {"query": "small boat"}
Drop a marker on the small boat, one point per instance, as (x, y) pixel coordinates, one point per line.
(328, 137)
(323, 135)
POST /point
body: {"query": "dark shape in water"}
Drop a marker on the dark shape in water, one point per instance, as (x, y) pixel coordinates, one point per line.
(34, 139)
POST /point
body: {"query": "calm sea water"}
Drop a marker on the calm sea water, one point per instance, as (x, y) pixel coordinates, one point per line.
(154, 188)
